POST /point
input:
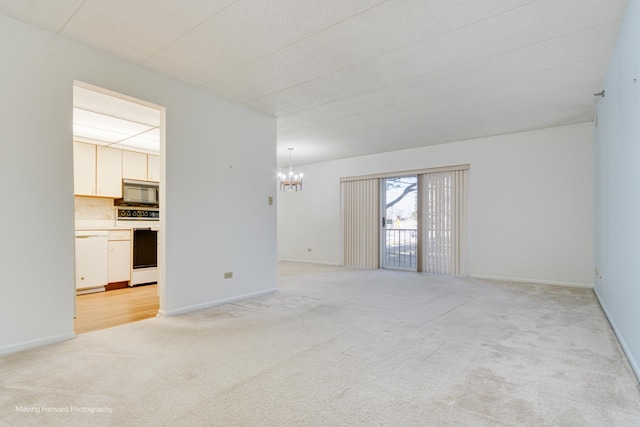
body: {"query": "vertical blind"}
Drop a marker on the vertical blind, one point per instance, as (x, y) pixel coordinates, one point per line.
(360, 223)
(442, 216)
(443, 205)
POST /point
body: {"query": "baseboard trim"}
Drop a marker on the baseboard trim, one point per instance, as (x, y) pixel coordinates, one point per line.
(634, 364)
(214, 303)
(310, 262)
(538, 282)
(26, 345)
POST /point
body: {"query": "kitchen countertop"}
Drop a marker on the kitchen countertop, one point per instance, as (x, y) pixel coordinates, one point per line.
(83, 224)
(115, 225)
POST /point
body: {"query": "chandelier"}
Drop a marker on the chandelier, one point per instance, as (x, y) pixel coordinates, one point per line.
(291, 180)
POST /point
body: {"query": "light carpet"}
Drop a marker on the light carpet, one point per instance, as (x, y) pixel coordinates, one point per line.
(338, 346)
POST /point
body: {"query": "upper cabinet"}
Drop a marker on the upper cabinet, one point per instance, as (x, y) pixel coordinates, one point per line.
(134, 165)
(108, 172)
(145, 167)
(84, 169)
(98, 170)
(153, 167)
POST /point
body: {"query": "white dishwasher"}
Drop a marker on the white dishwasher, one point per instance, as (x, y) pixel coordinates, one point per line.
(92, 254)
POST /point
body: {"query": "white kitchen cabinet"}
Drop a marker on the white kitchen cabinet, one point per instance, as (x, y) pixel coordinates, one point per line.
(134, 165)
(98, 170)
(84, 169)
(119, 255)
(153, 167)
(108, 172)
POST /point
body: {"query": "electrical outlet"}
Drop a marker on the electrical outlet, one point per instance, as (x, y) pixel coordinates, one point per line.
(270, 200)
(228, 275)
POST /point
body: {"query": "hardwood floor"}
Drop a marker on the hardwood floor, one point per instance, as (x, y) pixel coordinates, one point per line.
(112, 308)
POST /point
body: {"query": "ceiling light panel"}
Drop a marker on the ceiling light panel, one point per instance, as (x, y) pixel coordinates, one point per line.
(148, 142)
(97, 134)
(97, 102)
(113, 124)
(137, 142)
(152, 135)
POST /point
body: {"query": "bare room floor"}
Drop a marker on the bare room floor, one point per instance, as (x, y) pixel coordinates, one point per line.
(340, 346)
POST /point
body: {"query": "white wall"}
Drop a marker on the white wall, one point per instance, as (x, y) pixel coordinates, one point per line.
(531, 203)
(617, 209)
(220, 162)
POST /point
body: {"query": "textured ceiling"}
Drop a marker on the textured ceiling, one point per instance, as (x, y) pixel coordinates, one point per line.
(353, 77)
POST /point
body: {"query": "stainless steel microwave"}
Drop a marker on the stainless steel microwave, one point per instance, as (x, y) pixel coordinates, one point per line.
(139, 193)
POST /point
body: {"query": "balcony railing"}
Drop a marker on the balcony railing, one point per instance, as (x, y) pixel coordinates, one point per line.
(401, 248)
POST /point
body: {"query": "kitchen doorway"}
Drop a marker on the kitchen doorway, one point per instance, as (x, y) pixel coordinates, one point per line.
(118, 146)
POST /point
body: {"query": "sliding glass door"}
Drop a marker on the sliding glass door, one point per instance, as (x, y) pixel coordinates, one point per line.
(399, 233)
(415, 222)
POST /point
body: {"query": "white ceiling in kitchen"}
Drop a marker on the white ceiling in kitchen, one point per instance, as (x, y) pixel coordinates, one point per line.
(347, 78)
(116, 122)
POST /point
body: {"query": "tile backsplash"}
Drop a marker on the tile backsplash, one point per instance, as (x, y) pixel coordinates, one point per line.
(93, 208)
